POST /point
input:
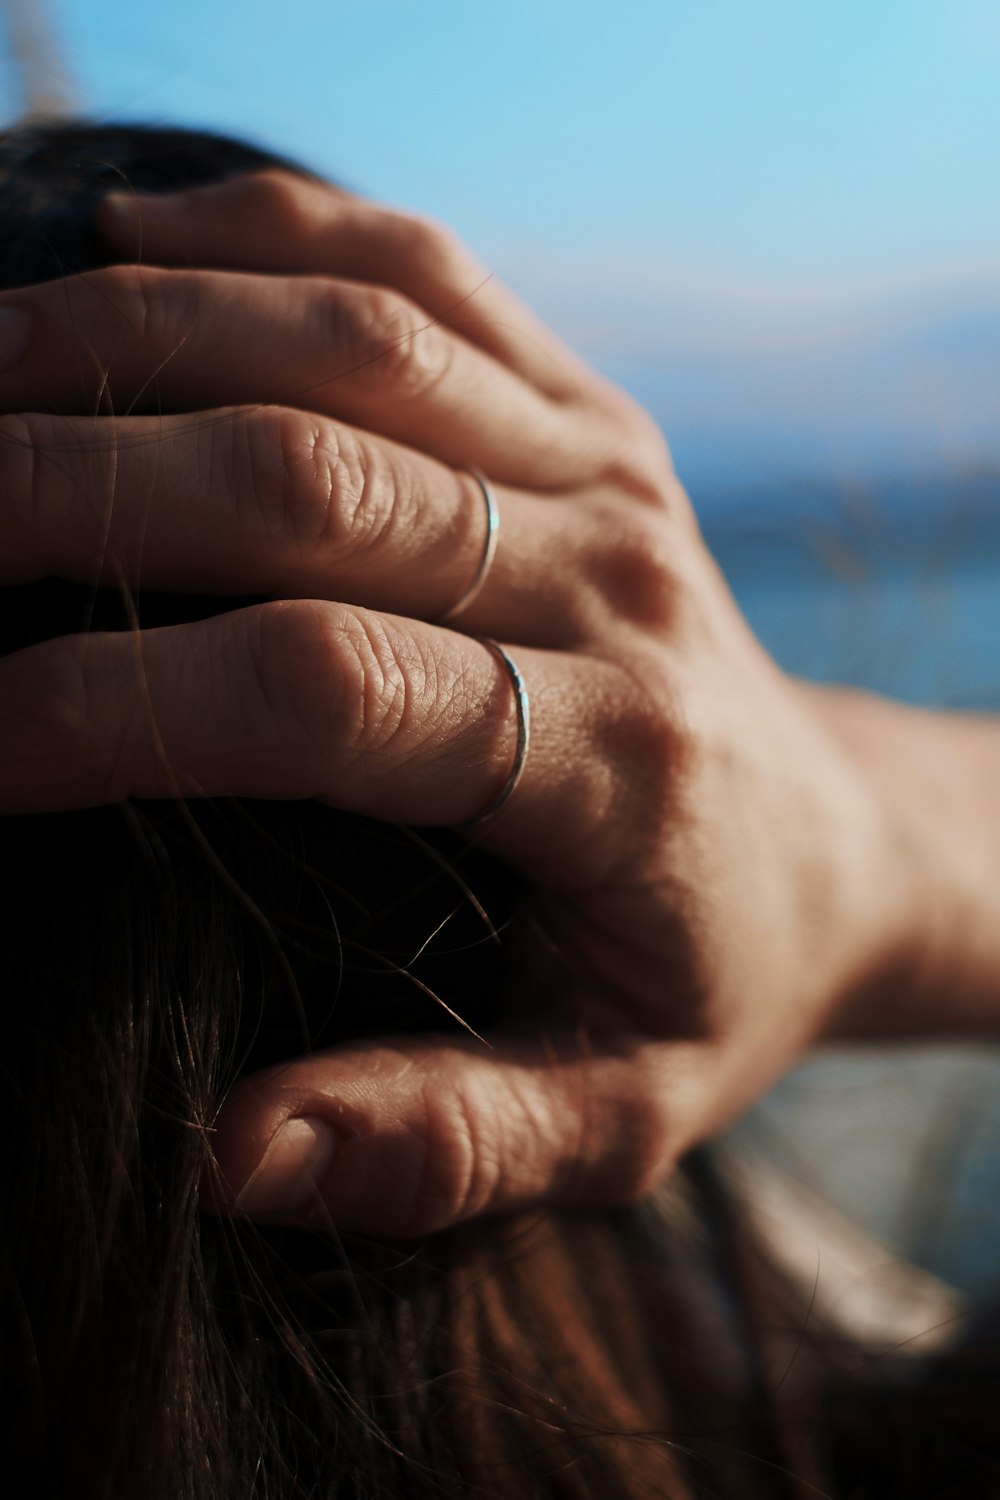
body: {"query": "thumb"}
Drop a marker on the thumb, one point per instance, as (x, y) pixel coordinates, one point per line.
(410, 1135)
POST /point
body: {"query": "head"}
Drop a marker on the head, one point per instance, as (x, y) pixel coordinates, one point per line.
(152, 954)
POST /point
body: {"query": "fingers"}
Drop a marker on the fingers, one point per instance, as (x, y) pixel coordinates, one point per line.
(280, 701)
(129, 337)
(409, 1135)
(280, 223)
(299, 699)
(273, 501)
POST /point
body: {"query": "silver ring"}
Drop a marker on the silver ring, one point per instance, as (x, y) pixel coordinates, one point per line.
(523, 732)
(489, 547)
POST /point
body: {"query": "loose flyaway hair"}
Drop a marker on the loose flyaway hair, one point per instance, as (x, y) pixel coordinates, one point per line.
(151, 954)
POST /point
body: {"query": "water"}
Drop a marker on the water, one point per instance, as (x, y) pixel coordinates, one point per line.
(893, 586)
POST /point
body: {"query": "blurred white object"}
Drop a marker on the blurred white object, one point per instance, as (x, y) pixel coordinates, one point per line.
(905, 1142)
(46, 89)
(852, 1281)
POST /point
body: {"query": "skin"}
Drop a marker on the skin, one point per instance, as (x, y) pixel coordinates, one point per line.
(727, 865)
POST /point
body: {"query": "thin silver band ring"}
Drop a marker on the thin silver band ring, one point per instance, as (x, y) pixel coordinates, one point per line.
(523, 732)
(489, 547)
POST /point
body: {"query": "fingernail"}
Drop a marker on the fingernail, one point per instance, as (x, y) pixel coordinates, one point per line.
(287, 1177)
(15, 335)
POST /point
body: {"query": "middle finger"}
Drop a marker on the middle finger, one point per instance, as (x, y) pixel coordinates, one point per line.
(139, 337)
(274, 501)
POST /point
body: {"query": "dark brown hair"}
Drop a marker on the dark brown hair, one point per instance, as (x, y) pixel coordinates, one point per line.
(150, 955)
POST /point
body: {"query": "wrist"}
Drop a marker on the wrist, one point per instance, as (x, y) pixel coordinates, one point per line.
(934, 785)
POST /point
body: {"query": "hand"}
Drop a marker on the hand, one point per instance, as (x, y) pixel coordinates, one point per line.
(714, 878)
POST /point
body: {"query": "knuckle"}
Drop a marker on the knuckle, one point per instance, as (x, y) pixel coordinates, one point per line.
(392, 676)
(635, 461)
(343, 682)
(395, 345)
(631, 564)
(430, 248)
(658, 722)
(116, 284)
(279, 195)
(627, 1138)
(459, 1175)
(300, 669)
(645, 747)
(646, 444)
(310, 482)
(285, 464)
(359, 489)
(366, 683)
(643, 1129)
(648, 1148)
(160, 306)
(644, 474)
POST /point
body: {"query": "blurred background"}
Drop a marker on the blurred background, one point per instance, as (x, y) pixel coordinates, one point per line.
(776, 223)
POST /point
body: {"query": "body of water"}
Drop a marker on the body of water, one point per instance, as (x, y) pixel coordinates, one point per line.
(892, 586)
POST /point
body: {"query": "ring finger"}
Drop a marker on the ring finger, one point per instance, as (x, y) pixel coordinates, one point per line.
(274, 501)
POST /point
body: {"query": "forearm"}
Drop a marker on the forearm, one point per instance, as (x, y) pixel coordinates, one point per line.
(937, 777)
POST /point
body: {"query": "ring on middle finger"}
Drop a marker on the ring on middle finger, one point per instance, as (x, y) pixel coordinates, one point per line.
(489, 548)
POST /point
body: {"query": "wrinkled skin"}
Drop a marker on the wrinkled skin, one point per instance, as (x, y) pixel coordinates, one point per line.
(719, 875)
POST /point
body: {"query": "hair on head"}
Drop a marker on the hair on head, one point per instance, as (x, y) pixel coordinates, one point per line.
(52, 177)
(150, 955)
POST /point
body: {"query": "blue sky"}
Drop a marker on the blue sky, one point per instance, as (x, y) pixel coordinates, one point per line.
(664, 179)
(762, 139)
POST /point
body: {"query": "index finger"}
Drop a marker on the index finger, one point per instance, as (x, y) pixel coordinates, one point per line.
(280, 223)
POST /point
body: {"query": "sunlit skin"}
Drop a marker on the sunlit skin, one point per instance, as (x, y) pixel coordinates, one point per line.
(725, 864)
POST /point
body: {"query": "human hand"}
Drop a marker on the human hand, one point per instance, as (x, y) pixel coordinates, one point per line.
(711, 872)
